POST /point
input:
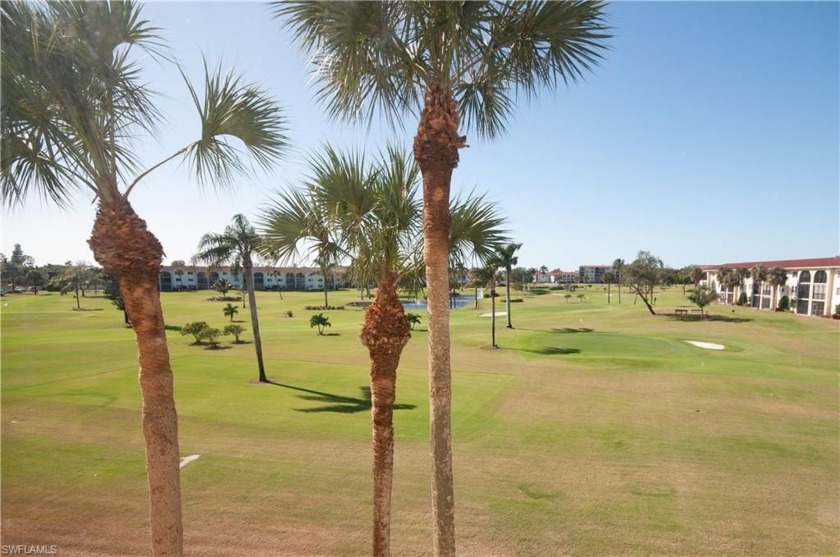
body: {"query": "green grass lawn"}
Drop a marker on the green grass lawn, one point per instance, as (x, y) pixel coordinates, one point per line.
(595, 430)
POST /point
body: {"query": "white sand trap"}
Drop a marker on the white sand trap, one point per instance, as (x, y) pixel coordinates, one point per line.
(498, 314)
(706, 345)
(187, 459)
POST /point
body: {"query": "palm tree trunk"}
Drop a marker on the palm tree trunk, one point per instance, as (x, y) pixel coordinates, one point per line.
(436, 152)
(124, 247)
(385, 332)
(493, 314)
(507, 299)
(255, 322)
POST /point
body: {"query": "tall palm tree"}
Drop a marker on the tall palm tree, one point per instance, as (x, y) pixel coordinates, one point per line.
(759, 275)
(486, 275)
(73, 103)
(375, 217)
(448, 63)
(609, 278)
(618, 268)
(237, 246)
(743, 274)
(777, 277)
(506, 259)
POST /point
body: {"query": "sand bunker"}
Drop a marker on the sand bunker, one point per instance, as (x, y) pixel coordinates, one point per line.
(706, 345)
(187, 459)
(498, 314)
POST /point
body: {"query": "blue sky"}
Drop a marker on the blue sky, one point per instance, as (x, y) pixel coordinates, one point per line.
(710, 133)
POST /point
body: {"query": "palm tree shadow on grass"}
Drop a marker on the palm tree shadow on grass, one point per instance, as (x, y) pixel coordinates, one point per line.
(572, 330)
(550, 350)
(337, 403)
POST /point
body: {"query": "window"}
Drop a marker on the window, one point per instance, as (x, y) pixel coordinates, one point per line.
(820, 277)
(819, 292)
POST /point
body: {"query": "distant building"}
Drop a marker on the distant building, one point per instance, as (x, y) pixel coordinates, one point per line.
(813, 285)
(194, 277)
(592, 274)
(563, 277)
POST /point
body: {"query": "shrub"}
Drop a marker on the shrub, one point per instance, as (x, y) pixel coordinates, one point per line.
(290, 313)
(195, 328)
(211, 335)
(784, 304)
(742, 299)
(323, 308)
(235, 330)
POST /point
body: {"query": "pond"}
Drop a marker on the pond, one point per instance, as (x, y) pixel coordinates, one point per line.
(459, 302)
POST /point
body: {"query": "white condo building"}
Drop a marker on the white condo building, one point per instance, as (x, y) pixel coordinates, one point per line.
(190, 277)
(812, 286)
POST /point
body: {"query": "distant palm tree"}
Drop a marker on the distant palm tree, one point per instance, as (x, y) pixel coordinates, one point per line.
(445, 61)
(743, 274)
(277, 273)
(487, 276)
(237, 246)
(506, 259)
(74, 105)
(777, 277)
(618, 268)
(759, 275)
(608, 277)
(222, 286)
(321, 321)
(230, 310)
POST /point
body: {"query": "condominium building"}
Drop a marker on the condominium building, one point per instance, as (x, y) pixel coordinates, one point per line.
(191, 277)
(592, 273)
(812, 285)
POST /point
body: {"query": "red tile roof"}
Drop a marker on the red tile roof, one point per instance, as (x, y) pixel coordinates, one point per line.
(819, 262)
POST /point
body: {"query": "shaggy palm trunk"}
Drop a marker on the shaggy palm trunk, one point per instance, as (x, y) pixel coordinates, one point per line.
(436, 152)
(124, 247)
(255, 322)
(385, 332)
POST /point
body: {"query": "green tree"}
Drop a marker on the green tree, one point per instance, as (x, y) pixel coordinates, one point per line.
(73, 106)
(234, 329)
(506, 259)
(608, 277)
(211, 335)
(237, 246)
(759, 275)
(373, 214)
(320, 320)
(777, 277)
(222, 286)
(618, 267)
(194, 328)
(487, 276)
(230, 310)
(743, 274)
(413, 319)
(446, 62)
(643, 275)
(112, 292)
(702, 297)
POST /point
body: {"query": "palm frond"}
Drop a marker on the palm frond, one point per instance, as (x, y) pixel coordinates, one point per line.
(233, 110)
(476, 231)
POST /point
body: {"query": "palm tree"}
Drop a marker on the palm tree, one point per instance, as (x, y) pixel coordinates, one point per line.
(277, 273)
(375, 217)
(759, 275)
(73, 103)
(777, 277)
(743, 274)
(487, 275)
(609, 278)
(506, 259)
(223, 286)
(237, 246)
(321, 321)
(446, 62)
(230, 310)
(618, 269)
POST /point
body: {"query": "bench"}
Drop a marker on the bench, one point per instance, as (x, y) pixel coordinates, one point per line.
(679, 311)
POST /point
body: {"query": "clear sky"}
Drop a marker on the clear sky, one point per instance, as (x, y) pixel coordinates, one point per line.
(709, 134)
